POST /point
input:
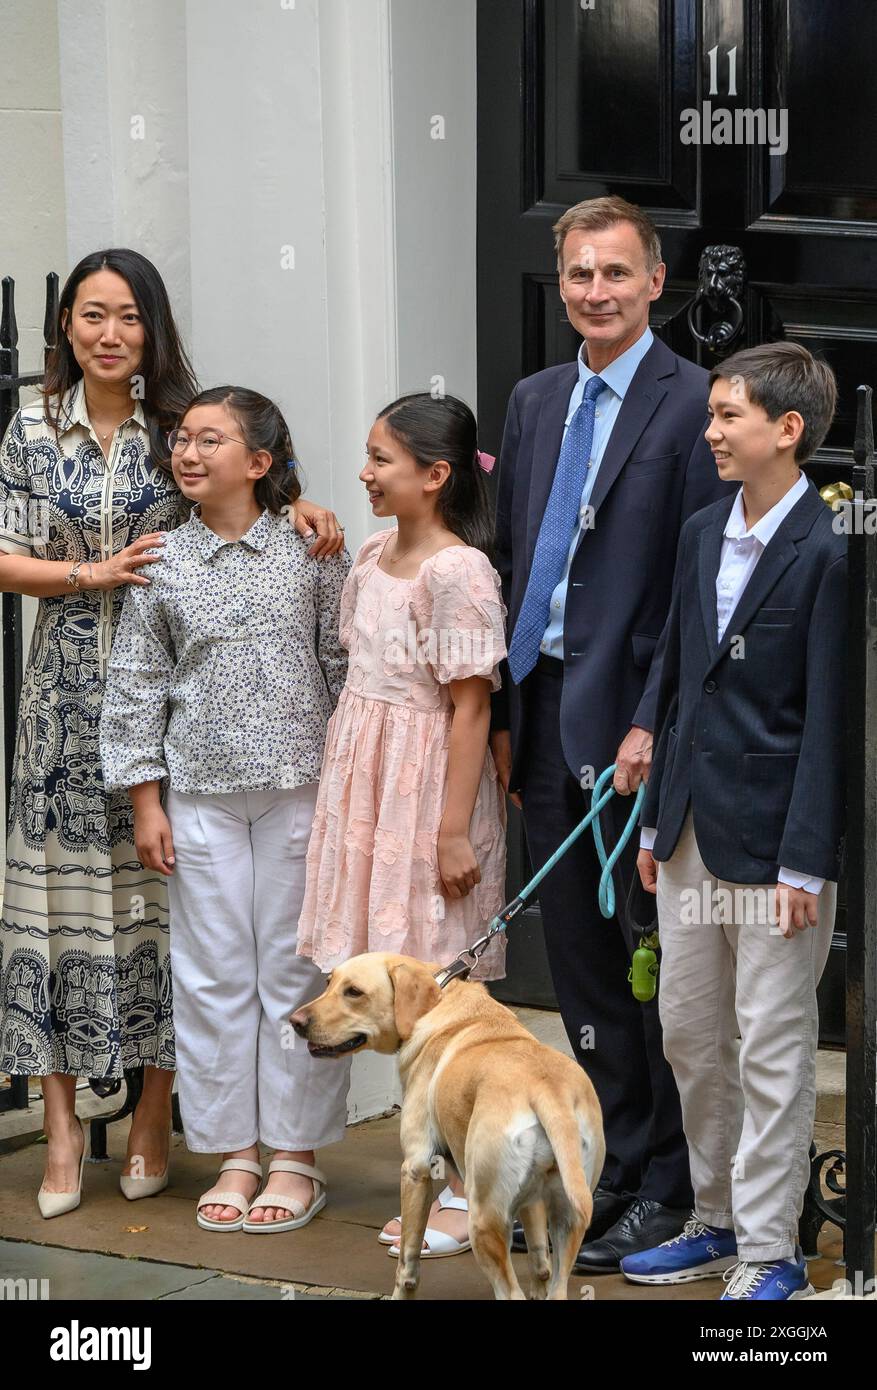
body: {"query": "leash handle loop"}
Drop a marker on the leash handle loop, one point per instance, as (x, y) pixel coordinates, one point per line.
(606, 891)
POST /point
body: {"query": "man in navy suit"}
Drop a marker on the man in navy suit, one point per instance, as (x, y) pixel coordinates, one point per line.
(744, 811)
(602, 462)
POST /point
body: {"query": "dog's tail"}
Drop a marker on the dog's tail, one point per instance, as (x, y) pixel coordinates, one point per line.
(558, 1118)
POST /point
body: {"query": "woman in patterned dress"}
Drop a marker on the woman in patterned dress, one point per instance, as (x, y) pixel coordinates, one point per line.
(86, 488)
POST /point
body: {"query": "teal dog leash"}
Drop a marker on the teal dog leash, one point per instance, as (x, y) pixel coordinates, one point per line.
(462, 966)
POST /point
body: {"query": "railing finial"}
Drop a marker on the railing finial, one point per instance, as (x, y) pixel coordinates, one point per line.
(8, 326)
(50, 323)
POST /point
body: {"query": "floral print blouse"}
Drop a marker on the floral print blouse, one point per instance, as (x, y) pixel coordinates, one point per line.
(226, 669)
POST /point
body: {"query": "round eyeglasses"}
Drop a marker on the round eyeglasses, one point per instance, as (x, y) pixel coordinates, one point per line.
(206, 441)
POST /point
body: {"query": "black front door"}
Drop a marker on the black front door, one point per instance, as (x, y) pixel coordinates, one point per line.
(749, 124)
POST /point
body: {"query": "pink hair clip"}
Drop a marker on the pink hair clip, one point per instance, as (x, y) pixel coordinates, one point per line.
(486, 461)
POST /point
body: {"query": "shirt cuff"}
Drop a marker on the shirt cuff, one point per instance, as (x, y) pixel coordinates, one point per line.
(647, 837)
(798, 880)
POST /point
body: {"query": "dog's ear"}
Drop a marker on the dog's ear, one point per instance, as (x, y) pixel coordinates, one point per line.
(416, 992)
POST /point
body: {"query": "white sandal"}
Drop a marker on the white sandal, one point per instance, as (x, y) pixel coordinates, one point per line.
(222, 1197)
(301, 1215)
(440, 1243)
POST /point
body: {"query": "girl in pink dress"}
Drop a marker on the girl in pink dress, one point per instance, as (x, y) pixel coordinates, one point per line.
(407, 851)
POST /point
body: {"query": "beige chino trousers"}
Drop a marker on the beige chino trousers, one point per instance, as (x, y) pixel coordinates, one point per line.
(747, 1105)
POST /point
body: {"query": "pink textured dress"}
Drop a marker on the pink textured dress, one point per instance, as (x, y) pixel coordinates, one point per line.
(372, 871)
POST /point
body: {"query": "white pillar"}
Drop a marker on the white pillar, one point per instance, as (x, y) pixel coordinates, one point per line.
(434, 71)
(360, 196)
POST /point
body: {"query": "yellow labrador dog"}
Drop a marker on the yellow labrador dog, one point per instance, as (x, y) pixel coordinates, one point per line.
(520, 1121)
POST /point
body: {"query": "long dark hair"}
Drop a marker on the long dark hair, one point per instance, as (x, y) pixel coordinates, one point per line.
(433, 428)
(262, 427)
(168, 379)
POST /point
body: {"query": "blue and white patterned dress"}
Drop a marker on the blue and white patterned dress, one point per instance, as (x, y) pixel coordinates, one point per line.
(85, 982)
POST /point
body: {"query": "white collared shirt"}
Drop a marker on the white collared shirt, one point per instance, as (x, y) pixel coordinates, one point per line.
(741, 551)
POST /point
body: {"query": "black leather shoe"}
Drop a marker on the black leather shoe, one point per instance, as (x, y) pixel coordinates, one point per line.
(644, 1225)
(608, 1207)
(519, 1240)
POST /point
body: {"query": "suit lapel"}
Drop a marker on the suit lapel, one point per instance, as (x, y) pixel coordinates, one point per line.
(774, 562)
(780, 552)
(708, 569)
(643, 396)
(637, 409)
(546, 452)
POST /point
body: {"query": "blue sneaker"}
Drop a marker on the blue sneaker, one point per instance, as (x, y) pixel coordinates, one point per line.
(701, 1252)
(782, 1279)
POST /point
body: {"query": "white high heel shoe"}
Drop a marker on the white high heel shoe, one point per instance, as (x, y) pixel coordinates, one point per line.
(143, 1187)
(57, 1203)
(147, 1186)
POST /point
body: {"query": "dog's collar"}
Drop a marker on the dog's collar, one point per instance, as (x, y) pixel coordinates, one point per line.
(461, 966)
(458, 969)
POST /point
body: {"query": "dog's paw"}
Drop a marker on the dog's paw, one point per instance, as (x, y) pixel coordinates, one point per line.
(405, 1288)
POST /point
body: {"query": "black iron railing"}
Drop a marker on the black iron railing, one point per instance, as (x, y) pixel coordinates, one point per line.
(11, 382)
(850, 1174)
(861, 991)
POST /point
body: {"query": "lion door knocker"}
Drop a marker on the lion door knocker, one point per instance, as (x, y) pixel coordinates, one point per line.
(722, 280)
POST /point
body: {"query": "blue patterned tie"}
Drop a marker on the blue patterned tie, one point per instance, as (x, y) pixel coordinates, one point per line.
(555, 533)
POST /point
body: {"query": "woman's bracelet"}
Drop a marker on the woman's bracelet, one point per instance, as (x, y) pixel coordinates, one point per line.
(73, 576)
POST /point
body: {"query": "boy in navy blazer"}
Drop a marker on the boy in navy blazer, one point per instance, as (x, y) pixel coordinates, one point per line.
(744, 816)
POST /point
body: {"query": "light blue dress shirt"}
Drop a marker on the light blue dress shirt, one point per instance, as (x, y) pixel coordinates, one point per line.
(617, 376)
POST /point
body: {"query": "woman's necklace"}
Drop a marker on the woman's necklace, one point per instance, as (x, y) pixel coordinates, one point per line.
(104, 437)
(394, 559)
(110, 432)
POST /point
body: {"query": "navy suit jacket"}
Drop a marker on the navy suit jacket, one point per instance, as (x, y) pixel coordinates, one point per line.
(656, 471)
(752, 733)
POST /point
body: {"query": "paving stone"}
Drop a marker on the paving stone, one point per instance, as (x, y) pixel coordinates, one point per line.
(77, 1274)
(224, 1289)
(167, 1256)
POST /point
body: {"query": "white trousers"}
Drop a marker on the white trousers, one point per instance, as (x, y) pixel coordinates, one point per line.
(747, 1107)
(235, 896)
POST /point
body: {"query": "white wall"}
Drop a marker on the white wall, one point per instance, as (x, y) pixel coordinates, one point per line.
(256, 188)
(32, 220)
(123, 83)
(317, 242)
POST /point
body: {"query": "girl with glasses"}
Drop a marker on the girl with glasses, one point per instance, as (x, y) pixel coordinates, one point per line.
(222, 679)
